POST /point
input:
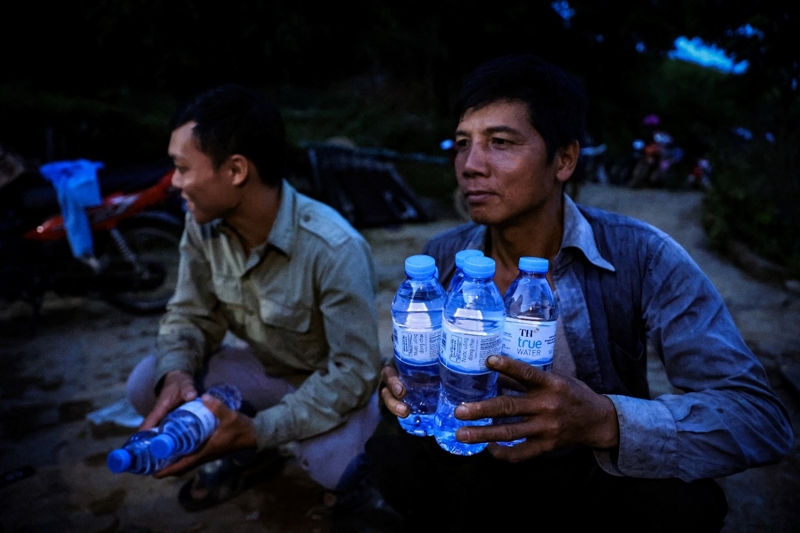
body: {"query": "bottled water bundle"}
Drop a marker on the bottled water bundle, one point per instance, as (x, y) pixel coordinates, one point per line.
(472, 327)
(458, 275)
(135, 456)
(417, 328)
(529, 334)
(183, 430)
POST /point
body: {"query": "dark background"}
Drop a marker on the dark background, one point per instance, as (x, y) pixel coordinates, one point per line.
(99, 80)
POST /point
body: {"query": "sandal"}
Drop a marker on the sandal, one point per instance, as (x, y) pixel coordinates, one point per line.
(218, 481)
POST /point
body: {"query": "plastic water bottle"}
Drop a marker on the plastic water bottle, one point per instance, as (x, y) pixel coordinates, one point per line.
(183, 430)
(458, 275)
(135, 455)
(529, 334)
(417, 330)
(472, 327)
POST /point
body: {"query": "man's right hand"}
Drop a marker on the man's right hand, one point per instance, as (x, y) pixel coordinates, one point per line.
(393, 391)
(178, 389)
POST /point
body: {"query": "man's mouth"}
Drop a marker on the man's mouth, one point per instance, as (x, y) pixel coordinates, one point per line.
(476, 196)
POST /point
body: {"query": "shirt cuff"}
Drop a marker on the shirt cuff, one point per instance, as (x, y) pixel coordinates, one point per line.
(173, 361)
(647, 436)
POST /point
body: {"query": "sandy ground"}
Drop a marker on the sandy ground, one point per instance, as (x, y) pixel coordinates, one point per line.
(77, 360)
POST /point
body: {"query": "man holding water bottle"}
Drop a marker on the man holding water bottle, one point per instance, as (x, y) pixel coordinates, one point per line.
(598, 450)
(293, 282)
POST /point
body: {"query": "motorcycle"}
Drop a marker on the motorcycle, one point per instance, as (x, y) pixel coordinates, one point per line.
(700, 176)
(655, 161)
(135, 230)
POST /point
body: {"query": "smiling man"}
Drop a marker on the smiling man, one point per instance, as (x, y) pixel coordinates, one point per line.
(295, 285)
(599, 451)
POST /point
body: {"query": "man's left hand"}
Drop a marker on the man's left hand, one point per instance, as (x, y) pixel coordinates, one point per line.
(557, 412)
(234, 432)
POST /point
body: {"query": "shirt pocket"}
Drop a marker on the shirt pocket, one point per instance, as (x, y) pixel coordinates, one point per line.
(291, 332)
(295, 318)
(228, 290)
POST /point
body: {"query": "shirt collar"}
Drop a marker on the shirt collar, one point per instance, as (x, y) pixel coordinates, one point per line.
(281, 236)
(578, 234)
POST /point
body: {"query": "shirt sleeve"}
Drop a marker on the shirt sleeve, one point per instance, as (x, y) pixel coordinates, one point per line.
(346, 291)
(192, 327)
(728, 418)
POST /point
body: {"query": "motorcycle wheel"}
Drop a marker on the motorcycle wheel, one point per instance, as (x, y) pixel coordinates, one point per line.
(155, 247)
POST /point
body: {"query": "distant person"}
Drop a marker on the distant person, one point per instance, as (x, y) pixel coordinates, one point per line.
(286, 275)
(659, 155)
(600, 453)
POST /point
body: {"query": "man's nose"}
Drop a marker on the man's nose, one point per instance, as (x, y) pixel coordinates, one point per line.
(474, 162)
(176, 179)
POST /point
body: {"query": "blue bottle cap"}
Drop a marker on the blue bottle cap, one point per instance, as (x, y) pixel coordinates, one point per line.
(118, 460)
(463, 254)
(162, 446)
(420, 266)
(479, 267)
(534, 264)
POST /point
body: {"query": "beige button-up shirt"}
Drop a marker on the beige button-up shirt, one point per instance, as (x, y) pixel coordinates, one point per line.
(304, 301)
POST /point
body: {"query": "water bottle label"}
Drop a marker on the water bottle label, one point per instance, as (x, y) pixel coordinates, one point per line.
(466, 352)
(529, 341)
(207, 419)
(419, 346)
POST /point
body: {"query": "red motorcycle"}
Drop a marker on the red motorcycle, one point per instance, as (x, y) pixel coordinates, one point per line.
(657, 159)
(655, 156)
(135, 231)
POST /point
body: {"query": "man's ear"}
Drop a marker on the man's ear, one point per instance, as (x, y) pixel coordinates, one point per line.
(567, 160)
(239, 169)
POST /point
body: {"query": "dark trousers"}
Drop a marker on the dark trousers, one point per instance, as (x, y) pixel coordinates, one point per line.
(435, 490)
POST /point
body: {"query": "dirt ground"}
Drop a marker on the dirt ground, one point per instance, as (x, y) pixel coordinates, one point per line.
(54, 380)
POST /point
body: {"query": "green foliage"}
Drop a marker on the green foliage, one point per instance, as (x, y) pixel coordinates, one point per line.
(756, 197)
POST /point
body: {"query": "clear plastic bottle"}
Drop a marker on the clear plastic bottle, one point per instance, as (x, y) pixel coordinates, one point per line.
(135, 455)
(183, 430)
(417, 330)
(458, 275)
(472, 327)
(529, 334)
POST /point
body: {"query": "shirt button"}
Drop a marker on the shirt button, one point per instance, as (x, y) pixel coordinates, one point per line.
(306, 218)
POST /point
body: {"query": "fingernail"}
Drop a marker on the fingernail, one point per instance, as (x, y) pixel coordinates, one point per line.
(492, 359)
(397, 390)
(461, 410)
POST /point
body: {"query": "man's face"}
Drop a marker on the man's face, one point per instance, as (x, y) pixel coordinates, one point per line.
(501, 164)
(207, 191)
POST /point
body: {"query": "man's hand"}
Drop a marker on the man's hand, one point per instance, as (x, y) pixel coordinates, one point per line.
(178, 389)
(393, 391)
(557, 412)
(235, 432)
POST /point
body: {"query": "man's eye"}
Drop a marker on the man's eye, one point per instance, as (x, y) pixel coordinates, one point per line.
(500, 141)
(461, 143)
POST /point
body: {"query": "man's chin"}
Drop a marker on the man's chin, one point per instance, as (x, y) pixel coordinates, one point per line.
(199, 217)
(478, 215)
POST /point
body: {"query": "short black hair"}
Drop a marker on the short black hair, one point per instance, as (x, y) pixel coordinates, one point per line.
(231, 119)
(557, 102)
